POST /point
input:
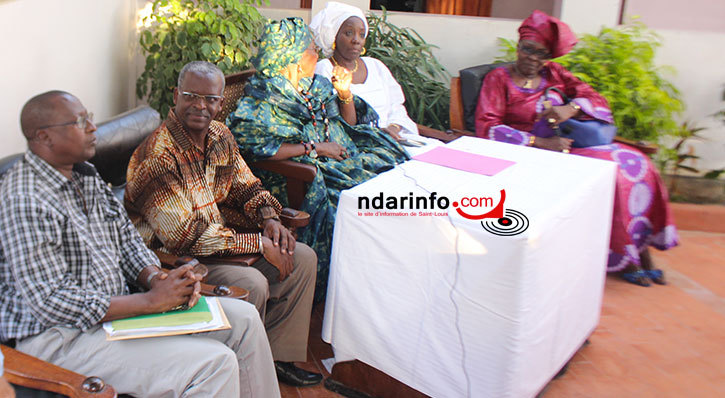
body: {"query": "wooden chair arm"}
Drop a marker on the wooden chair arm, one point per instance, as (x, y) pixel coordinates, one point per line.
(288, 168)
(233, 292)
(171, 261)
(292, 218)
(27, 371)
(298, 176)
(445, 136)
(461, 132)
(455, 110)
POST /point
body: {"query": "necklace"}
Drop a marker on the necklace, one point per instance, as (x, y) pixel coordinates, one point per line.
(528, 83)
(308, 101)
(337, 64)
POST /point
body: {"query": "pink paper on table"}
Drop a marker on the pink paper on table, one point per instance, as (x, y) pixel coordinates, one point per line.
(465, 161)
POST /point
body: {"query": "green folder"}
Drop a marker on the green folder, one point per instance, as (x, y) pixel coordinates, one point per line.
(199, 313)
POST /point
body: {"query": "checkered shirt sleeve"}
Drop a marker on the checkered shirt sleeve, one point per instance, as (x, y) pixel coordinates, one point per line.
(63, 254)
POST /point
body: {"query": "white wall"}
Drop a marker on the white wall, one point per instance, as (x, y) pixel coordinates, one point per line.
(283, 4)
(588, 16)
(81, 46)
(279, 13)
(707, 15)
(463, 41)
(88, 47)
(699, 60)
(520, 9)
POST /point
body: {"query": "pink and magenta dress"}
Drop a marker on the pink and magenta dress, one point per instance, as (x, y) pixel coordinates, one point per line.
(642, 218)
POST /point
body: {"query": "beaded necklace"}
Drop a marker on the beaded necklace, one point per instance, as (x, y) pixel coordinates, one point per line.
(308, 101)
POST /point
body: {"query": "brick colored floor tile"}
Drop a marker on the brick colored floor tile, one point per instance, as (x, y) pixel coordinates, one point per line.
(660, 341)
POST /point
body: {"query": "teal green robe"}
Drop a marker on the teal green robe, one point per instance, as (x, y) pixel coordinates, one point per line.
(273, 112)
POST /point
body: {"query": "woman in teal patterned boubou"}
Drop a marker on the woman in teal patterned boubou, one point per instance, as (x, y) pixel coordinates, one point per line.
(290, 113)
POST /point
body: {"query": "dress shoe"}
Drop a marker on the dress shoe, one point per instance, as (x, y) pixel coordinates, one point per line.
(290, 374)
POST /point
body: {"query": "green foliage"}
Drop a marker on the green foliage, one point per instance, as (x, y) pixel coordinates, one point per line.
(671, 160)
(507, 49)
(179, 31)
(619, 64)
(416, 69)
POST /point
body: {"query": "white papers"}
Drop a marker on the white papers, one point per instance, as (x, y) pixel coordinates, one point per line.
(219, 322)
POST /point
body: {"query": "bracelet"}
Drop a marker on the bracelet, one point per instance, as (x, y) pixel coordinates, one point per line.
(345, 100)
(150, 278)
(307, 148)
(532, 139)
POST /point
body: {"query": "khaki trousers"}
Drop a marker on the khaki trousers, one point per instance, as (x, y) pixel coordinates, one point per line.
(285, 307)
(226, 363)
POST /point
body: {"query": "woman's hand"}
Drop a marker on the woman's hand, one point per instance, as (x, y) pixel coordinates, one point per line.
(393, 130)
(558, 114)
(555, 143)
(331, 150)
(341, 80)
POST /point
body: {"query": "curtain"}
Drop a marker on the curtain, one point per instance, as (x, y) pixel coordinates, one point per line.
(480, 8)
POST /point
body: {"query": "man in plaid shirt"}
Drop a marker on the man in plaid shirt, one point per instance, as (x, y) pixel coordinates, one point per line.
(67, 252)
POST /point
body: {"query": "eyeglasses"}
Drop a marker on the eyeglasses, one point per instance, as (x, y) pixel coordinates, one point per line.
(209, 99)
(528, 50)
(81, 122)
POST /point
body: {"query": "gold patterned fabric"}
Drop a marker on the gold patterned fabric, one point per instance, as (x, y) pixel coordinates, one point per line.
(282, 43)
(192, 201)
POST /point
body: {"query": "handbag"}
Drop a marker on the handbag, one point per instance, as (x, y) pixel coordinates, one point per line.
(585, 133)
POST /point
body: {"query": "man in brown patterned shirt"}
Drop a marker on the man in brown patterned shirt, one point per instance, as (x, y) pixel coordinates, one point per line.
(190, 192)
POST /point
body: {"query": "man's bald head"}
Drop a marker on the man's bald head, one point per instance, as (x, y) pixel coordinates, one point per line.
(41, 110)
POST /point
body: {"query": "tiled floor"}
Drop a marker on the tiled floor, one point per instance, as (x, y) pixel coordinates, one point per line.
(660, 341)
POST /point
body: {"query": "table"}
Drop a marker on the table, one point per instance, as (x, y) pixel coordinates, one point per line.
(453, 310)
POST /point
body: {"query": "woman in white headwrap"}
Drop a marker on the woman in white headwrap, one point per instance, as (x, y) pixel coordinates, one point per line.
(340, 31)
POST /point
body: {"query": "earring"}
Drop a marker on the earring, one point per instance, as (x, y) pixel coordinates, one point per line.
(299, 68)
(333, 46)
(363, 51)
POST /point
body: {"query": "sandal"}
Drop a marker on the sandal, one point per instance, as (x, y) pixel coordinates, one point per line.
(638, 277)
(656, 275)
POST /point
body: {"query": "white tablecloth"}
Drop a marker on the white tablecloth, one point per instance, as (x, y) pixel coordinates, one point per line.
(454, 311)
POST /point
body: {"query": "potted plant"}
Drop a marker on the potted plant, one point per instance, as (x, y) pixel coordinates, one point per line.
(175, 32)
(412, 63)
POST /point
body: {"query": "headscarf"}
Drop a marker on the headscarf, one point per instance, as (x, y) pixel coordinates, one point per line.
(282, 43)
(548, 31)
(326, 23)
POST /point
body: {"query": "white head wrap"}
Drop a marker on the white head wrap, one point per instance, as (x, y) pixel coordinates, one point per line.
(326, 23)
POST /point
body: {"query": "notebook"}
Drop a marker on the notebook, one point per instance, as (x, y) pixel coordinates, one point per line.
(207, 315)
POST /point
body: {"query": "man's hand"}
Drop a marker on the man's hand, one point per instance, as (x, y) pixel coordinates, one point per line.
(274, 255)
(180, 286)
(281, 237)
